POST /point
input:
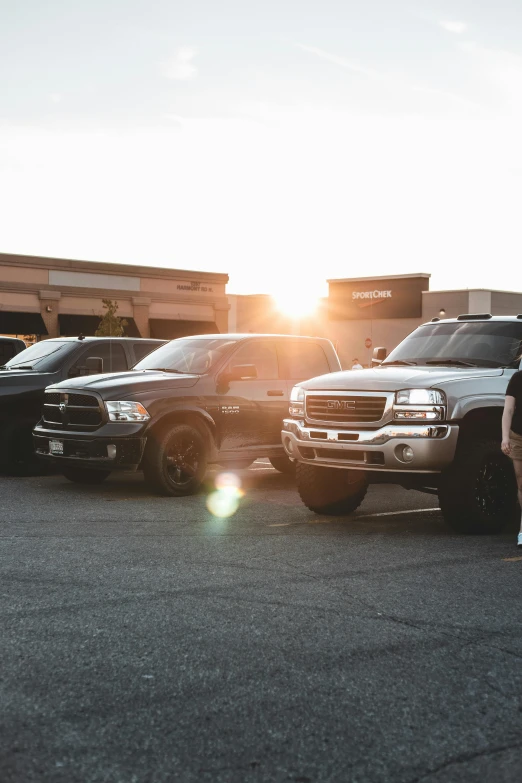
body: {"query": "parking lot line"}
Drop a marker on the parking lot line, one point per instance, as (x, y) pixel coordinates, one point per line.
(397, 513)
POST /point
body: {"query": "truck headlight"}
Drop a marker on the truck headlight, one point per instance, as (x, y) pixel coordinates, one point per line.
(126, 411)
(296, 408)
(419, 405)
(420, 397)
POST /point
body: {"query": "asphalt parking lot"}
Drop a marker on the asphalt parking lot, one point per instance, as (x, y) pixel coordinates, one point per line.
(144, 639)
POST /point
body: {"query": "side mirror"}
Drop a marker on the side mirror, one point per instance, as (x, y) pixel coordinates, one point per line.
(379, 355)
(240, 372)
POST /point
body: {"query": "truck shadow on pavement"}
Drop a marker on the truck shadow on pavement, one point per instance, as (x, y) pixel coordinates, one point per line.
(267, 500)
(133, 485)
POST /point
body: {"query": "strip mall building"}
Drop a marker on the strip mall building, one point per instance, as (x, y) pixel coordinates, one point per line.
(362, 313)
(51, 297)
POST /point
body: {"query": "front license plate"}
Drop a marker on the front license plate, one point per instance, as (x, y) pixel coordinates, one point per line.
(56, 447)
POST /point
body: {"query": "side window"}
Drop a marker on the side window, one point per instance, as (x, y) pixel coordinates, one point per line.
(143, 349)
(262, 354)
(113, 356)
(302, 360)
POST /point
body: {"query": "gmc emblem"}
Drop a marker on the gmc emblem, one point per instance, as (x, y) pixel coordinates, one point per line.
(345, 405)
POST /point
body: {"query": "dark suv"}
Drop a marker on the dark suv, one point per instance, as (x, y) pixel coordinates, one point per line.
(24, 377)
(210, 399)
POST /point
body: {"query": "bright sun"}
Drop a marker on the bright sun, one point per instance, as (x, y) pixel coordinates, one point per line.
(296, 304)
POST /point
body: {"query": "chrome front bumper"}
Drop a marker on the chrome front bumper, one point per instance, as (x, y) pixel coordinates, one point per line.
(433, 446)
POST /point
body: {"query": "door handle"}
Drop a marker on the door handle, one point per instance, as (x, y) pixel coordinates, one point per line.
(275, 393)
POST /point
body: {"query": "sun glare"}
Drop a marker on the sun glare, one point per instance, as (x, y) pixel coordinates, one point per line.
(296, 304)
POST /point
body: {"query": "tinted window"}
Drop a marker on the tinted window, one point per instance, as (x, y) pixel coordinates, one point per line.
(261, 354)
(40, 353)
(113, 356)
(143, 349)
(302, 360)
(188, 354)
(490, 344)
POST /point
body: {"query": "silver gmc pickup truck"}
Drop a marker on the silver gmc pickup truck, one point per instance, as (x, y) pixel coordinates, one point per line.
(427, 417)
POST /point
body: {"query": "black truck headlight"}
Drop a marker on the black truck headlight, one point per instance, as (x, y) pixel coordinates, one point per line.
(296, 408)
(126, 411)
(419, 405)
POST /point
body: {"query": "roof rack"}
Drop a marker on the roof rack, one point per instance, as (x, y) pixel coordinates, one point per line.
(474, 317)
(519, 315)
(435, 319)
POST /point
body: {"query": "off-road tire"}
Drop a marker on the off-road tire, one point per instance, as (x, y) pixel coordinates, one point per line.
(283, 464)
(329, 490)
(85, 476)
(175, 465)
(478, 491)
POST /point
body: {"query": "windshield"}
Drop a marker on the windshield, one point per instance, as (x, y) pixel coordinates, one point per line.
(40, 355)
(187, 355)
(491, 344)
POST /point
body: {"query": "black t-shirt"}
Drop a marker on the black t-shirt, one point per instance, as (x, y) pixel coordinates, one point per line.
(514, 389)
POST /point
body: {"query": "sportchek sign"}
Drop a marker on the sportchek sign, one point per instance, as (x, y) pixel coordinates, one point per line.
(399, 297)
(365, 298)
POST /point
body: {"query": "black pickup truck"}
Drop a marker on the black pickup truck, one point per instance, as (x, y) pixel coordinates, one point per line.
(24, 377)
(196, 401)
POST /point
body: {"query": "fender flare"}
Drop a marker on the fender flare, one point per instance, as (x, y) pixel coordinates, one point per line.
(480, 416)
(190, 412)
(468, 404)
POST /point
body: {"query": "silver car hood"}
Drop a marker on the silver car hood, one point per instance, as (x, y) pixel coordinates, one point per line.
(394, 378)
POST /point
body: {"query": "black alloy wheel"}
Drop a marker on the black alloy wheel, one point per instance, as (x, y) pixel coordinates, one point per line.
(182, 459)
(176, 464)
(493, 486)
(478, 492)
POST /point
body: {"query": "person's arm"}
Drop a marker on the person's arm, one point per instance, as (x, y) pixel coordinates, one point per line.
(507, 417)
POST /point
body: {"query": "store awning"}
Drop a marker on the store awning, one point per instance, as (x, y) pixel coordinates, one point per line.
(22, 323)
(170, 329)
(73, 325)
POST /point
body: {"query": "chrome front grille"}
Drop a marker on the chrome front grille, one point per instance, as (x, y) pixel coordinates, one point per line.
(71, 411)
(345, 408)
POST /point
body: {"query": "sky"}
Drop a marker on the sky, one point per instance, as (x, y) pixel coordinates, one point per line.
(281, 141)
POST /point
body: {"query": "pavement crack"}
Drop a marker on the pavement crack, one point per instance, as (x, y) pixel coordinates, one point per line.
(463, 757)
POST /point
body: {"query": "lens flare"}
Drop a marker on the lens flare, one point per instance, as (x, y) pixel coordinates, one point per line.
(228, 482)
(224, 501)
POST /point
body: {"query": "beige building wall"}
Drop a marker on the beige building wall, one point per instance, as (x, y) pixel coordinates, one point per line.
(257, 313)
(58, 287)
(349, 337)
(21, 273)
(505, 303)
(453, 302)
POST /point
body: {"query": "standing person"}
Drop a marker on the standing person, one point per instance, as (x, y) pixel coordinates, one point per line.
(356, 365)
(512, 433)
